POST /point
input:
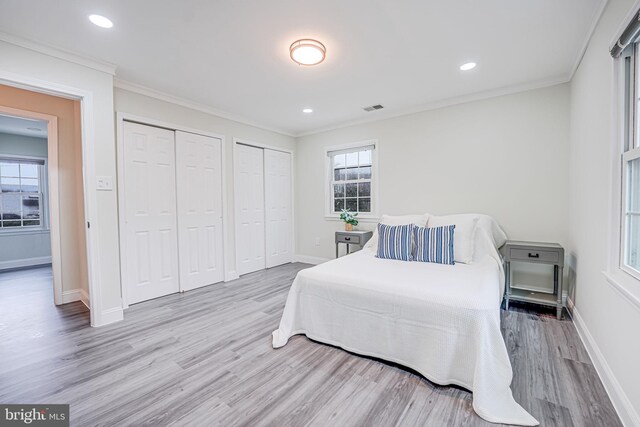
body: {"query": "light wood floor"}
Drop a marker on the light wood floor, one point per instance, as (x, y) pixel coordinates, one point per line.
(205, 358)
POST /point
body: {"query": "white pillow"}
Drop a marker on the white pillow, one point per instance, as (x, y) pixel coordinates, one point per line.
(463, 235)
(418, 219)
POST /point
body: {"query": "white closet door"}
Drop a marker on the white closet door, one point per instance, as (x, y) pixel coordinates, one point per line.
(277, 184)
(151, 268)
(199, 184)
(249, 177)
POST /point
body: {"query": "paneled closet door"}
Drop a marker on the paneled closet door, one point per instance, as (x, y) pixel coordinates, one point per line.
(249, 177)
(277, 184)
(199, 184)
(151, 261)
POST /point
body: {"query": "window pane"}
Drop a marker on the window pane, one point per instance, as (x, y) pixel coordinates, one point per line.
(338, 205)
(29, 185)
(11, 223)
(31, 207)
(352, 173)
(351, 204)
(633, 186)
(29, 171)
(339, 174)
(352, 190)
(30, 223)
(9, 169)
(338, 190)
(338, 161)
(633, 241)
(365, 157)
(364, 189)
(364, 205)
(352, 159)
(11, 206)
(8, 185)
(365, 172)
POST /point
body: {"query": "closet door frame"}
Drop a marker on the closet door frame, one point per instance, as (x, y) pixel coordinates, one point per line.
(121, 118)
(241, 141)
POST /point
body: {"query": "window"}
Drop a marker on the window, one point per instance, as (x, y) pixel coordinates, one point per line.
(351, 179)
(21, 193)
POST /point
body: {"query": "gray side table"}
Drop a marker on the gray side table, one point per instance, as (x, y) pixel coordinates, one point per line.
(536, 253)
(352, 238)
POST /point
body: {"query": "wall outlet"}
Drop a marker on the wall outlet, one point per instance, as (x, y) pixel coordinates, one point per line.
(104, 183)
(317, 241)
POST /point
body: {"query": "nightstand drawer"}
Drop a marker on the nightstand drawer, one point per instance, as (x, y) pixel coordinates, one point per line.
(347, 238)
(534, 255)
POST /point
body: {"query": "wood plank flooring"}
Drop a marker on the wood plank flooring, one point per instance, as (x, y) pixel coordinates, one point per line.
(205, 358)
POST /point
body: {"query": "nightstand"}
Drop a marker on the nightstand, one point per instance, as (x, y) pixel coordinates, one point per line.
(352, 238)
(536, 253)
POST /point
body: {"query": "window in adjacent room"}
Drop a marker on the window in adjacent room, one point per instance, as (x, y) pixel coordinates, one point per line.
(21, 193)
(351, 179)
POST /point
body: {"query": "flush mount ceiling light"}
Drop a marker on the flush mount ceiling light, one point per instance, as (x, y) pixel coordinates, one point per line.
(307, 110)
(307, 52)
(101, 21)
(468, 66)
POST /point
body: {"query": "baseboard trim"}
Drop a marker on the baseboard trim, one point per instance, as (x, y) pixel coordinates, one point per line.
(231, 275)
(109, 316)
(306, 259)
(71, 296)
(621, 402)
(84, 297)
(27, 262)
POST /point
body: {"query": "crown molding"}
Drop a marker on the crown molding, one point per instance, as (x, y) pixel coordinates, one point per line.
(183, 102)
(55, 52)
(448, 102)
(588, 36)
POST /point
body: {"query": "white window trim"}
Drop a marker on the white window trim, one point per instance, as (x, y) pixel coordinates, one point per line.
(373, 216)
(44, 190)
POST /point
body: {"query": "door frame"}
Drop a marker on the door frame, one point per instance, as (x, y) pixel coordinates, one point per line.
(88, 179)
(121, 118)
(236, 208)
(53, 208)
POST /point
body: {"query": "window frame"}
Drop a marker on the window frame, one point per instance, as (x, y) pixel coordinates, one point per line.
(43, 185)
(329, 180)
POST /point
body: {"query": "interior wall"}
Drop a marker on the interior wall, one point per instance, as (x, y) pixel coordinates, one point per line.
(74, 277)
(20, 249)
(506, 156)
(152, 108)
(607, 316)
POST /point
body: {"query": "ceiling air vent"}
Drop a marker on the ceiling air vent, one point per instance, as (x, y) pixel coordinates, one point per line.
(373, 108)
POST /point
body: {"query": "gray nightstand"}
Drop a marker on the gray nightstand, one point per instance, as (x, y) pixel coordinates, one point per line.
(537, 253)
(352, 238)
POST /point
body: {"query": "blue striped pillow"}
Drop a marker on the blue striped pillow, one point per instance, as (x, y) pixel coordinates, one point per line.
(434, 244)
(395, 242)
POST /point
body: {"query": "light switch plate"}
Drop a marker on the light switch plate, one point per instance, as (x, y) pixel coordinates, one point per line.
(104, 183)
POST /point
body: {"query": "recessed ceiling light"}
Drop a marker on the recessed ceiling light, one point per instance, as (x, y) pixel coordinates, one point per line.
(468, 66)
(307, 52)
(307, 110)
(101, 21)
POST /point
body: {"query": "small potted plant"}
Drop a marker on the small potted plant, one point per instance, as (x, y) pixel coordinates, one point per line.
(349, 219)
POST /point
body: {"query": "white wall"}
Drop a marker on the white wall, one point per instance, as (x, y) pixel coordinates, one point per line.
(31, 67)
(606, 318)
(21, 249)
(152, 108)
(505, 156)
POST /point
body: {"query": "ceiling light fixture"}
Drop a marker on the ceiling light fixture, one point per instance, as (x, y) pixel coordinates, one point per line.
(468, 66)
(307, 52)
(307, 110)
(101, 21)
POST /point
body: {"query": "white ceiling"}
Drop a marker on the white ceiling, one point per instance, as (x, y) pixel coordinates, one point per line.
(18, 126)
(233, 55)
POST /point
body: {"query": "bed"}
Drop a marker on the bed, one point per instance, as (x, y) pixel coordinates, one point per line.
(442, 321)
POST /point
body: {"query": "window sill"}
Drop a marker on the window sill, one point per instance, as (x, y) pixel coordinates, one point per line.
(360, 218)
(623, 282)
(23, 232)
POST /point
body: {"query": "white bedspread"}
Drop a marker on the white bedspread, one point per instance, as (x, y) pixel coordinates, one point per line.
(442, 321)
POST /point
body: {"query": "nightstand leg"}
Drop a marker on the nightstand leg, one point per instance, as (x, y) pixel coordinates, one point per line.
(336, 250)
(348, 249)
(507, 281)
(558, 274)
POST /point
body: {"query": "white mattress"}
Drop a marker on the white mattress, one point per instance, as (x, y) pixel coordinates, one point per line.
(442, 321)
